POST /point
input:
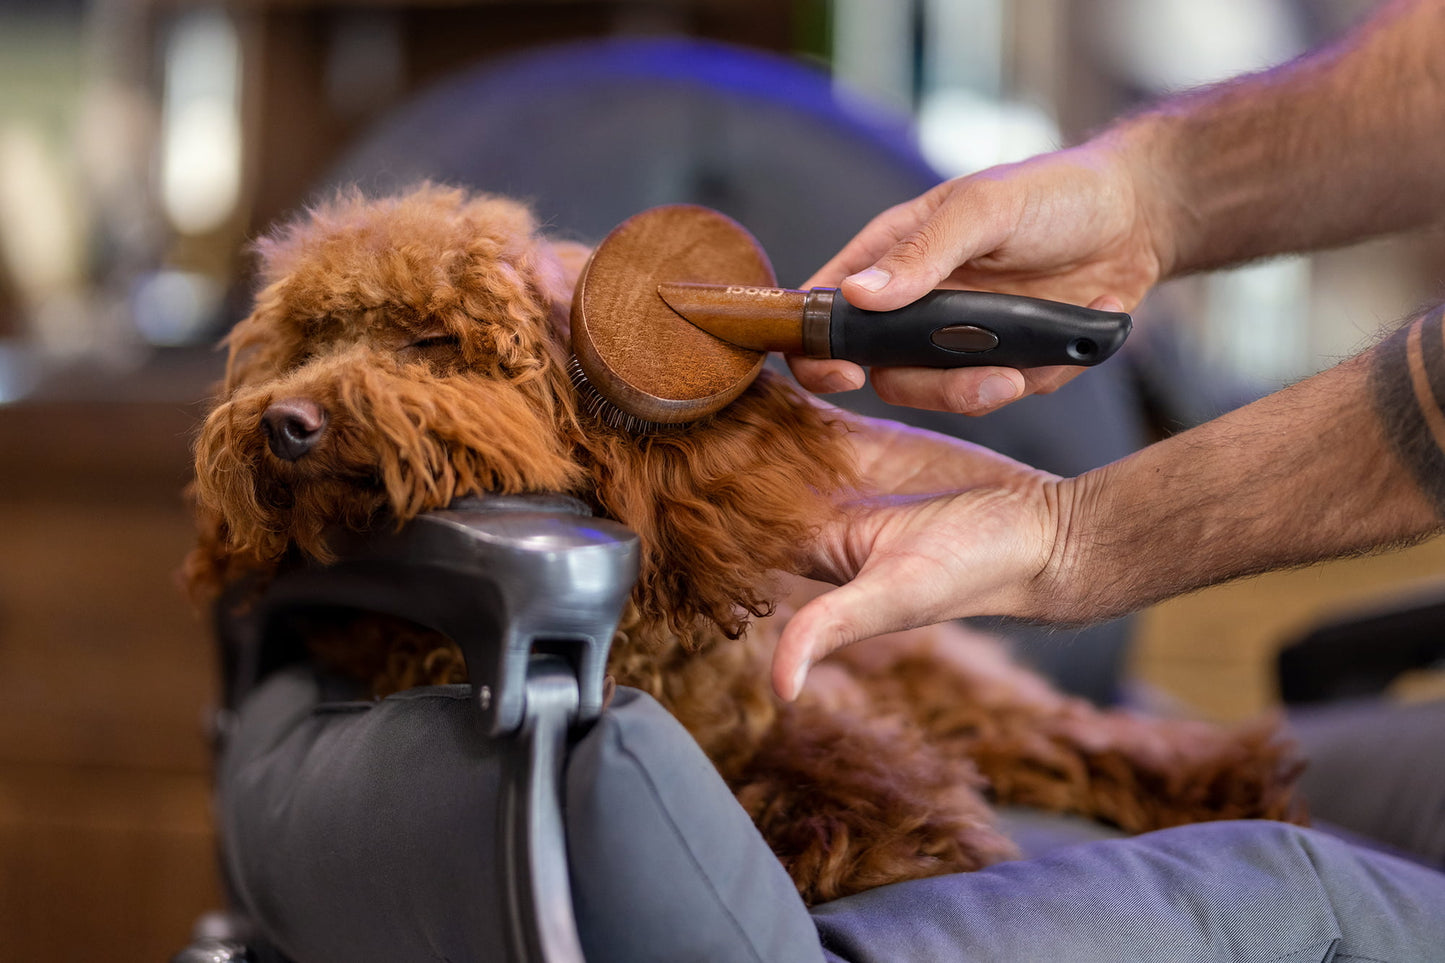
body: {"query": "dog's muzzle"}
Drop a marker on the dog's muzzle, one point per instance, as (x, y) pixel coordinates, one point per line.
(293, 427)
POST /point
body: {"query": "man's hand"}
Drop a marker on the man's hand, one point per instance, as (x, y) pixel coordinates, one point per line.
(949, 529)
(1296, 158)
(1071, 226)
(1347, 461)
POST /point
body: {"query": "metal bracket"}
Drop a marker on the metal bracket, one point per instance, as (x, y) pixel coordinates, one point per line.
(536, 880)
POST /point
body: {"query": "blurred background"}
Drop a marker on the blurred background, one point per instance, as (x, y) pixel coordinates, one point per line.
(143, 143)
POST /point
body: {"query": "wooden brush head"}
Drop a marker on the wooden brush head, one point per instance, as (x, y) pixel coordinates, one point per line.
(637, 353)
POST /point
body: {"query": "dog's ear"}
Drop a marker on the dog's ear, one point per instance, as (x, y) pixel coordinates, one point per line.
(561, 265)
(721, 505)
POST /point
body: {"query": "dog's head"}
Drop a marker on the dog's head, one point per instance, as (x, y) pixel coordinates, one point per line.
(407, 351)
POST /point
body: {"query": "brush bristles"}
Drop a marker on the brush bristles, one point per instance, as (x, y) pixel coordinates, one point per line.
(600, 409)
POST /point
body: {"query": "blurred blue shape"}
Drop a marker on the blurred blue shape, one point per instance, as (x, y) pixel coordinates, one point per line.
(592, 133)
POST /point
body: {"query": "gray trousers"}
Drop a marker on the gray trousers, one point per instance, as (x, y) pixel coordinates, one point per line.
(1238, 891)
(1241, 891)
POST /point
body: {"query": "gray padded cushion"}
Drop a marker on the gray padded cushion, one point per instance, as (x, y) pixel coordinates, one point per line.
(365, 831)
(666, 865)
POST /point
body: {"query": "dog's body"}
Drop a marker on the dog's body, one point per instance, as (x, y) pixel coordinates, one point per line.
(408, 351)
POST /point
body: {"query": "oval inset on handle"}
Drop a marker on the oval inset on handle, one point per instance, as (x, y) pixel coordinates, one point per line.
(965, 337)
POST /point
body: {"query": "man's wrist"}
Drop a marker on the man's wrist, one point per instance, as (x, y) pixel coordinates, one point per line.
(1081, 577)
(1140, 146)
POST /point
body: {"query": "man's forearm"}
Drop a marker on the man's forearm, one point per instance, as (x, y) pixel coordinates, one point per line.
(1348, 461)
(1334, 147)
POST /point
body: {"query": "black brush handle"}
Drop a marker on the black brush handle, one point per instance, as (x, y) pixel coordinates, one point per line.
(957, 329)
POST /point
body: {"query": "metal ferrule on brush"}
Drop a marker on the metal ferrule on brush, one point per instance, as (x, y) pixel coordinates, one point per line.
(817, 322)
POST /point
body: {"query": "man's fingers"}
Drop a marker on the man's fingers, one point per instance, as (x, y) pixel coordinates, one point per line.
(1043, 381)
(969, 391)
(826, 376)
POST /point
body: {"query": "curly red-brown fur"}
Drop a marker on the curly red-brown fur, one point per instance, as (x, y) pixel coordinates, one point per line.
(429, 329)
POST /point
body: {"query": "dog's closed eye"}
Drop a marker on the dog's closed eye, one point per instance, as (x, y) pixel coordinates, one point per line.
(433, 346)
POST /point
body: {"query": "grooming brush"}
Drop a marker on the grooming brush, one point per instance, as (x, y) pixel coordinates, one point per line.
(638, 364)
(677, 309)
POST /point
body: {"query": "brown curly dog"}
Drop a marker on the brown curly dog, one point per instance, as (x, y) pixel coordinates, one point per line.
(410, 350)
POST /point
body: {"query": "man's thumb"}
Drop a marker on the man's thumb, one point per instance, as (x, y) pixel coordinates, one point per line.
(855, 611)
(909, 270)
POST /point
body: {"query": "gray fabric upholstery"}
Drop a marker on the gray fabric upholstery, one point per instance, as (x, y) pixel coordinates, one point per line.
(666, 864)
(351, 830)
(366, 831)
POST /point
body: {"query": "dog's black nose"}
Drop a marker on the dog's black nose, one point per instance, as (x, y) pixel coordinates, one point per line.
(293, 427)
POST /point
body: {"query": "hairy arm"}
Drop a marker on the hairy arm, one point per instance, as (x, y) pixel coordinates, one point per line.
(1351, 460)
(1336, 146)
